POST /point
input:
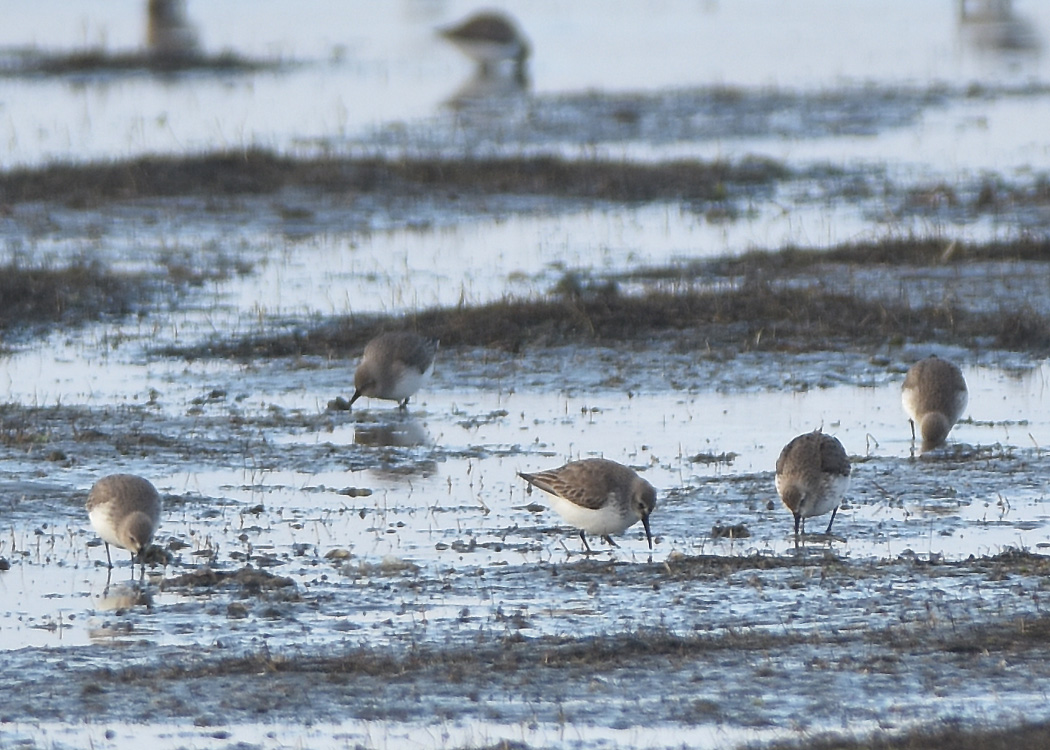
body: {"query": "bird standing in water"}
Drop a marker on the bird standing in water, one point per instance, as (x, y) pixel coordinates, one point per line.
(813, 474)
(934, 395)
(394, 366)
(598, 496)
(124, 510)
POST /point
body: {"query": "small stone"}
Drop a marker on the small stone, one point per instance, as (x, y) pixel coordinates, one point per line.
(730, 531)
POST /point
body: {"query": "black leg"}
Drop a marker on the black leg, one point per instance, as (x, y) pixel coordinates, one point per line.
(609, 539)
(109, 560)
(798, 521)
(828, 532)
(584, 538)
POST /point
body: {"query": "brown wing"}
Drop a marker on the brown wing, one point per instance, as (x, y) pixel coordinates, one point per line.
(485, 26)
(415, 351)
(796, 453)
(401, 349)
(585, 483)
(936, 384)
(833, 458)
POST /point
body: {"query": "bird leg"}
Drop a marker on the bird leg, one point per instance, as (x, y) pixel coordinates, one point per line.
(828, 532)
(609, 539)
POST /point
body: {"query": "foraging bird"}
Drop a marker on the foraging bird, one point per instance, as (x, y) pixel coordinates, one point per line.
(934, 395)
(813, 474)
(490, 38)
(598, 496)
(394, 366)
(124, 510)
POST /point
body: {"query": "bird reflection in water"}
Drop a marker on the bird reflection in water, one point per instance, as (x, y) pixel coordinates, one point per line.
(169, 32)
(994, 26)
(402, 433)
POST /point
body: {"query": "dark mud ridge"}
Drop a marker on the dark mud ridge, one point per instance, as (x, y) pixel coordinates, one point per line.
(772, 301)
(82, 291)
(721, 189)
(254, 171)
(34, 300)
(791, 300)
(98, 62)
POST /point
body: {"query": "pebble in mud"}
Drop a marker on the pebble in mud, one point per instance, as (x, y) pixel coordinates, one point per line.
(598, 496)
(934, 396)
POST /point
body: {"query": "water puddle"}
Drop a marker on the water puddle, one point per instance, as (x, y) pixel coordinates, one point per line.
(387, 571)
(327, 499)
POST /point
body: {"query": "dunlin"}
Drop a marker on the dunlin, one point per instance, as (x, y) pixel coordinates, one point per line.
(812, 476)
(934, 395)
(489, 38)
(124, 510)
(394, 366)
(598, 496)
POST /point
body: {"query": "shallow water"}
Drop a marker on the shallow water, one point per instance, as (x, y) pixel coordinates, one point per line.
(439, 483)
(367, 65)
(410, 533)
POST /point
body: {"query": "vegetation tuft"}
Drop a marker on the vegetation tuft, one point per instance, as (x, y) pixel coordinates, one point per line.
(82, 291)
(943, 736)
(100, 62)
(754, 316)
(257, 171)
(890, 252)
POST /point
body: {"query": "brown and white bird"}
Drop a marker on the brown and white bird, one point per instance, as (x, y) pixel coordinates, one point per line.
(813, 474)
(394, 366)
(124, 510)
(598, 496)
(490, 38)
(934, 395)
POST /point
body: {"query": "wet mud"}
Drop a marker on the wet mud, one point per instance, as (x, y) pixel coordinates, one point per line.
(248, 623)
(334, 570)
(256, 171)
(753, 310)
(42, 297)
(99, 63)
(886, 630)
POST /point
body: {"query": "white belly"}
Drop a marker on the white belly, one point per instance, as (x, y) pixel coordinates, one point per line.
(833, 488)
(102, 522)
(604, 521)
(410, 381)
(910, 402)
